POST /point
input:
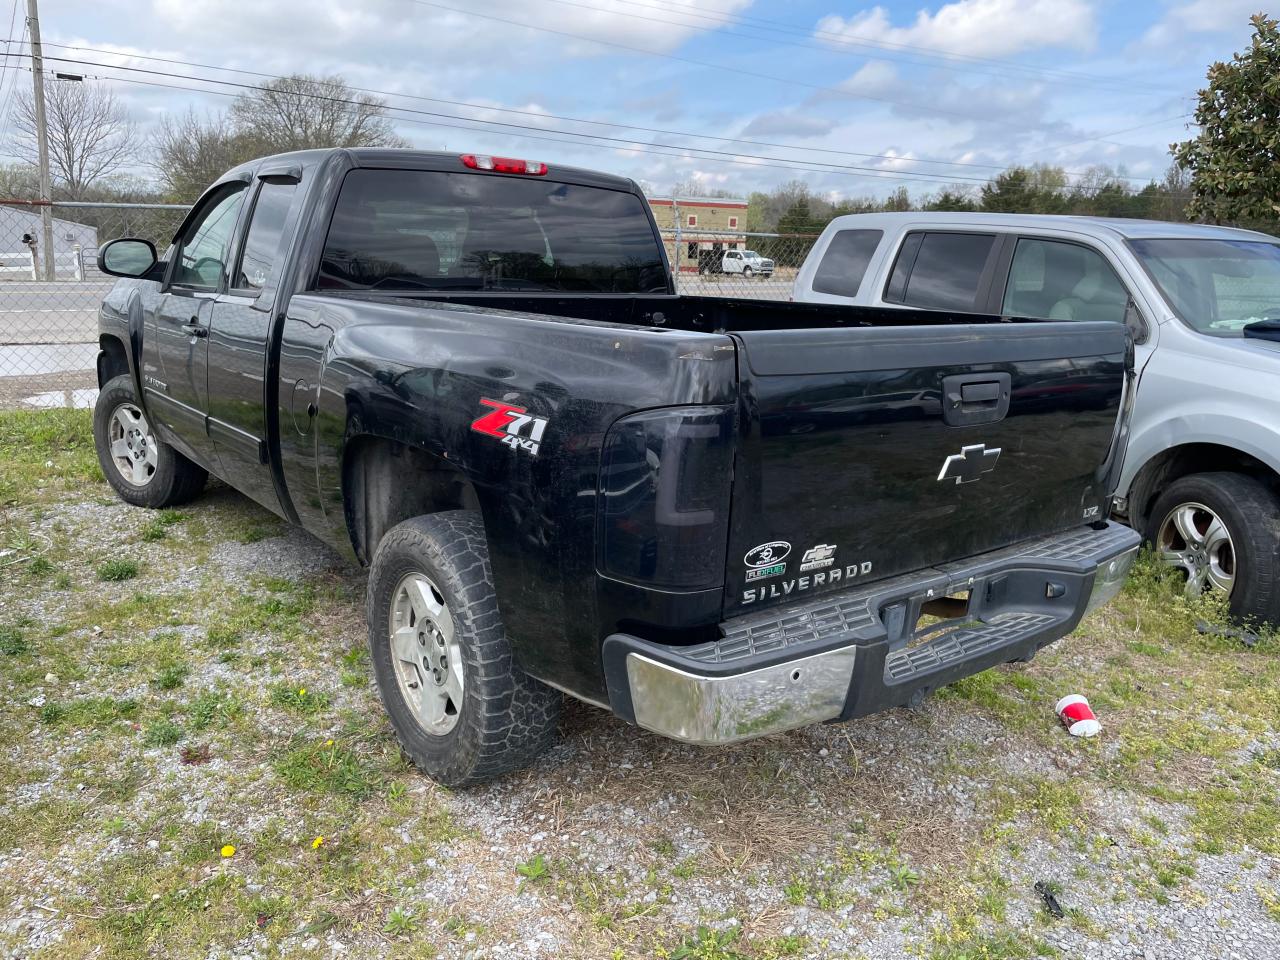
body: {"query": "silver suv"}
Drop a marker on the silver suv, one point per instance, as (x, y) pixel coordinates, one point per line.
(1201, 477)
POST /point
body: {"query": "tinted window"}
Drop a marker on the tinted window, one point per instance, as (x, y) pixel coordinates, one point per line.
(204, 245)
(845, 261)
(262, 244)
(947, 270)
(1063, 281)
(417, 230)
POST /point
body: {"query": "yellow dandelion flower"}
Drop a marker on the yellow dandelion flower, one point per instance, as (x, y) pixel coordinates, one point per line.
(328, 743)
(302, 691)
(228, 851)
(317, 843)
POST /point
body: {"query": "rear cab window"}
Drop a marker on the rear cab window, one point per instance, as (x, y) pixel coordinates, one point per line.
(943, 271)
(845, 262)
(411, 230)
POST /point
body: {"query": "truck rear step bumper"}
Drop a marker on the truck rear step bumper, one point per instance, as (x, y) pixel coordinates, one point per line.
(860, 651)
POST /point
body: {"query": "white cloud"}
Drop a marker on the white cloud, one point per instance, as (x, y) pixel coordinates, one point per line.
(984, 28)
(784, 123)
(873, 78)
(1200, 17)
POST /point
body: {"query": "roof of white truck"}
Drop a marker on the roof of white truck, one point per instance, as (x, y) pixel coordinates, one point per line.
(1115, 226)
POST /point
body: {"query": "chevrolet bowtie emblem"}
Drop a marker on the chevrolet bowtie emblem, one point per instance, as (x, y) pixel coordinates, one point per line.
(969, 464)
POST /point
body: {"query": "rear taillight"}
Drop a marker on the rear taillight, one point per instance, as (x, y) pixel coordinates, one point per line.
(665, 481)
(479, 161)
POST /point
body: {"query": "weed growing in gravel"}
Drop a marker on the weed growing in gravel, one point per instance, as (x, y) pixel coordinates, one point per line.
(162, 733)
(88, 713)
(12, 642)
(117, 569)
(171, 677)
(400, 923)
(535, 869)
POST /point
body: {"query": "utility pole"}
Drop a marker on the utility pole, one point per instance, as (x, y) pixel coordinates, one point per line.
(42, 138)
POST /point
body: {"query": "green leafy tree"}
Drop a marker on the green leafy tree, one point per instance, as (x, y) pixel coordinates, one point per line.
(1234, 161)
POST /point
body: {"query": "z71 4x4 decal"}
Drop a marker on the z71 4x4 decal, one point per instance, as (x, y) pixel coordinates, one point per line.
(512, 425)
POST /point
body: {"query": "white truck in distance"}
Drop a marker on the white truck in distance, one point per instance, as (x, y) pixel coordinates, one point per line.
(746, 262)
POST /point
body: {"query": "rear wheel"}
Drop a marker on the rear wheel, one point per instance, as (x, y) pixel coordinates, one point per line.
(141, 468)
(1222, 530)
(461, 708)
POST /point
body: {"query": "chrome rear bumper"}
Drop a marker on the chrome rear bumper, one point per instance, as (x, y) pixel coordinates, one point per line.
(851, 653)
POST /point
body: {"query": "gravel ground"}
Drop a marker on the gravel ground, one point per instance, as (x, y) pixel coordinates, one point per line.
(220, 696)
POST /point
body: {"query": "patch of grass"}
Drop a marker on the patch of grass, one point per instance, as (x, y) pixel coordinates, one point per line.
(327, 768)
(154, 531)
(12, 642)
(171, 677)
(90, 713)
(32, 439)
(709, 944)
(117, 569)
(210, 708)
(162, 733)
(299, 699)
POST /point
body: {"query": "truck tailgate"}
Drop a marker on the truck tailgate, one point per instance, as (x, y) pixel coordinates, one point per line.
(869, 452)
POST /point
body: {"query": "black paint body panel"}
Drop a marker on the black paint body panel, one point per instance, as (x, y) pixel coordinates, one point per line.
(837, 427)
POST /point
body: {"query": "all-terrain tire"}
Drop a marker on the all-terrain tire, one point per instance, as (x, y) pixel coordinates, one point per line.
(168, 478)
(1250, 510)
(507, 718)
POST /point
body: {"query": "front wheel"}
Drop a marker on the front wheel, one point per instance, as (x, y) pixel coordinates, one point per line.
(1222, 530)
(461, 708)
(141, 468)
(748, 272)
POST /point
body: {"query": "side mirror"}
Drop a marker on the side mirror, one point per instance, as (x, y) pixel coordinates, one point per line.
(1135, 322)
(127, 257)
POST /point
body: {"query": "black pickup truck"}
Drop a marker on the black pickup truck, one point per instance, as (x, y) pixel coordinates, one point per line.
(717, 518)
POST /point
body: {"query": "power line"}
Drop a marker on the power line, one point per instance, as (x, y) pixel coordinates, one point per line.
(582, 139)
(569, 119)
(684, 153)
(857, 46)
(836, 91)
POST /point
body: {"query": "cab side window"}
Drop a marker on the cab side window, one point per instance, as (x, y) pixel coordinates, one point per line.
(203, 248)
(845, 262)
(262, 242)
(941, 271)
(1052, 280)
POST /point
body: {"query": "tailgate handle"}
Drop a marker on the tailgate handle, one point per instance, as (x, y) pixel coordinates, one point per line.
(972, 398)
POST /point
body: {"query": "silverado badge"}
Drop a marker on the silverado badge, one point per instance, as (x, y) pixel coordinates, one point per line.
(969, 464)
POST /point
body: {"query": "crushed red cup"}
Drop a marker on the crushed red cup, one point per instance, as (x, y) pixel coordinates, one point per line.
(1077, 716)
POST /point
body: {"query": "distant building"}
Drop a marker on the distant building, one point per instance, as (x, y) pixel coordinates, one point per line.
(15, 262)
(706, 226)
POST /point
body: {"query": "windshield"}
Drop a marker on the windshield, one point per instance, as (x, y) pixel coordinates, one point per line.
(1217, 286)
(411, 230)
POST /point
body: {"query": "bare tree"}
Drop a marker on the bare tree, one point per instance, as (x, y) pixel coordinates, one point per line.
(90, 134)
(300, 112)
(189, 153)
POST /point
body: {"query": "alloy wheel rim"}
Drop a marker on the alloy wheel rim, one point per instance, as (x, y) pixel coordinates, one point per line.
(1194, 539)
(134, 450)
(426, 653)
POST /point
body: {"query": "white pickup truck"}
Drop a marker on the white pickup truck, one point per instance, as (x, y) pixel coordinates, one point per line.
(1201, 477)
(746, 262)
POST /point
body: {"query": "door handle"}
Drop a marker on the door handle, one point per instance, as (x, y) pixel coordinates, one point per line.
(194, 329)
(969, 399)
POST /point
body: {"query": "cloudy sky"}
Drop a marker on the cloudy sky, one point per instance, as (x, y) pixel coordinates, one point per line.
(855, 99)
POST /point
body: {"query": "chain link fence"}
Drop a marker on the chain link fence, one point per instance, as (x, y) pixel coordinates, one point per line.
(752, 266)
(49, 328)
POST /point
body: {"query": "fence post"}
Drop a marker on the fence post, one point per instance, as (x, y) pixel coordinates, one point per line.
(35, 269)
(78, 273)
